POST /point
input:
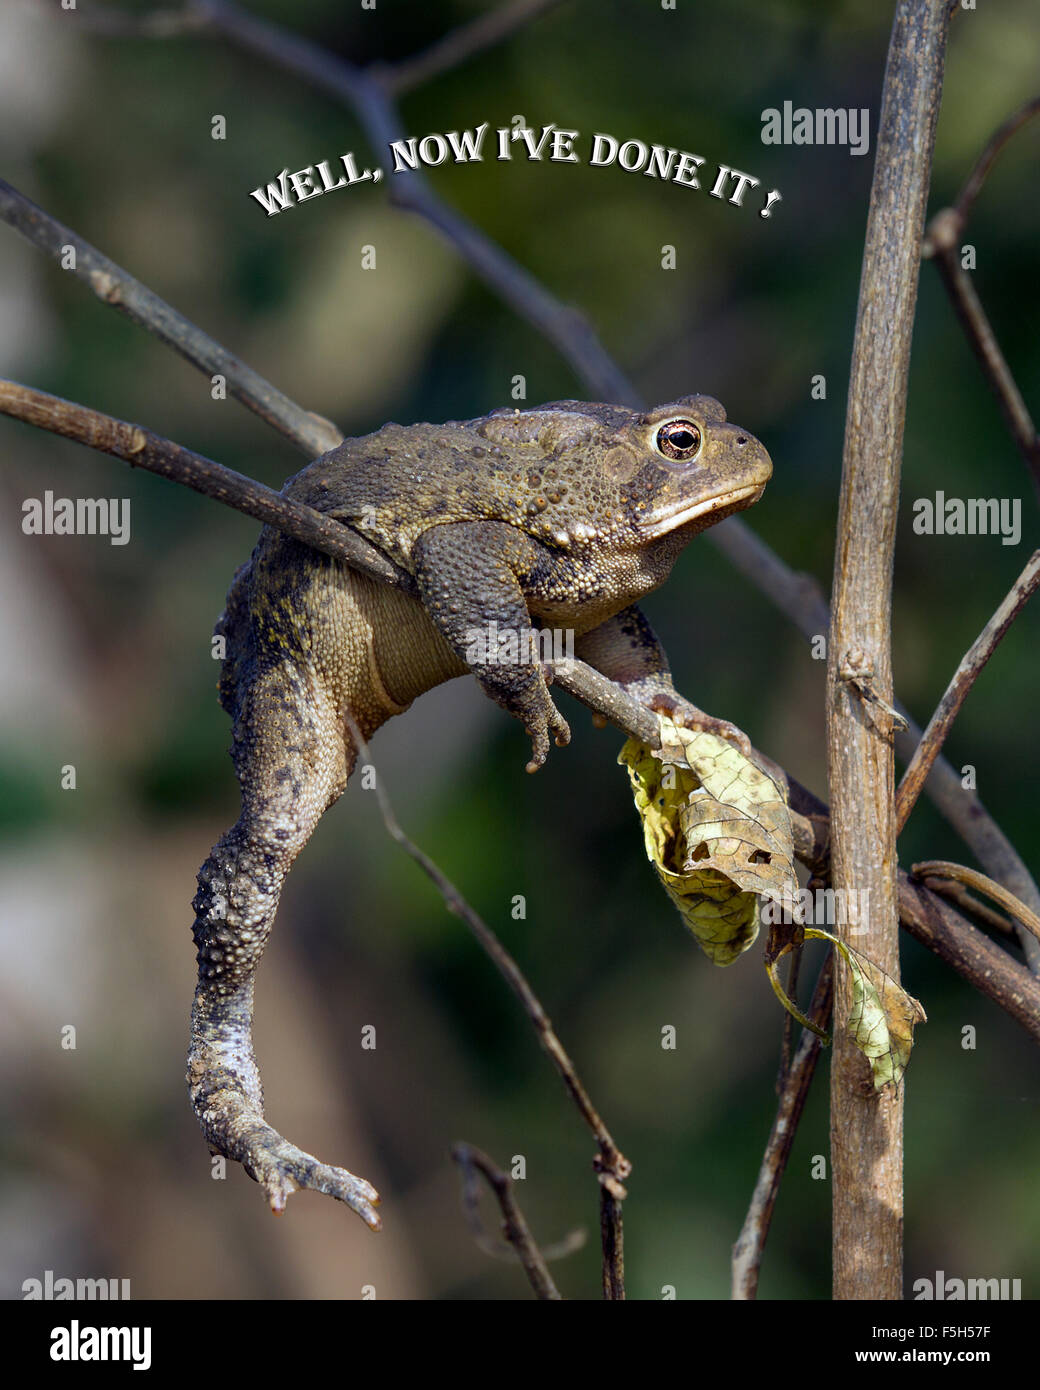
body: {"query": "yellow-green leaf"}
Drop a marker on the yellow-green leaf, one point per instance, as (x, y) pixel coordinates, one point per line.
(716, 829)
(882, 1018)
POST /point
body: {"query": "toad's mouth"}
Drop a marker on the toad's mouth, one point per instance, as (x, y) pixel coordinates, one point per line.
(725, 501)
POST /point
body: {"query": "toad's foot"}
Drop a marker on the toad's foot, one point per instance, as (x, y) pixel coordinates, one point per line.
(681, 711)
(235, 1127)
(542, 718)
(281, 1168)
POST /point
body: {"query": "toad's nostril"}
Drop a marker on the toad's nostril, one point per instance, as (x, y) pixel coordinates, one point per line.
(741, 438)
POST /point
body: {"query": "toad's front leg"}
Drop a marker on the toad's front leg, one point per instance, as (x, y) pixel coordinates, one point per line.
(292, 763)
(626, 649)
(470, 577)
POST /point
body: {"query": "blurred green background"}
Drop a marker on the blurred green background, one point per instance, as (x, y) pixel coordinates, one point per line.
(107, 656)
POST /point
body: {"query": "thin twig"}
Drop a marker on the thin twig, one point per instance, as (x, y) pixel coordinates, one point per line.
(143, 449)
(799, 598)
(494, 1248)
(563, 326)
(973, 907)
(971, 878)
(610, 1163)
(963, 679)
(987, 967)
(462, 43)
(514, 1227)
(944, 245)
(450, 51)
(980, 831)
(110, 22)
(964, 811)
(979, 960)
(748, 1250)
(930, 926)
(942, 242)
(115, 287)
(787, 1036)
(973, 184)
(612, 1236)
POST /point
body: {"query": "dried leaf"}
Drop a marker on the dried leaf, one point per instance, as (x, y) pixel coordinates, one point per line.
(717, 831)
(882, 1018)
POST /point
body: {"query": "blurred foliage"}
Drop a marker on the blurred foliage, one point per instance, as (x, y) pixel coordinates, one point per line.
(114, 667)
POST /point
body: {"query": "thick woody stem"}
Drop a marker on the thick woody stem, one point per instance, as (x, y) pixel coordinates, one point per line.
(867, 1130)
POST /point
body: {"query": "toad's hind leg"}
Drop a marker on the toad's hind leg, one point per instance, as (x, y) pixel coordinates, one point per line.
(292, 762)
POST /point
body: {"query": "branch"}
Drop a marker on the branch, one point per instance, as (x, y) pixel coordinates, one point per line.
(931, 920)
(935, 924)
(496, 1249)
(944, 247)
(462, 43)
(451, 51)
(943, 244)
(563, 326)
(867, 1132)
(927, 918)
(611, 1166)
(143, 449)
(110, 22)
(961, 683)
(973, 184)
(748, 1250)
(794, 968)
(799, 598)
(940, 869)
(514, 1227)
(972, 907)
(964, 811)
(115, 287)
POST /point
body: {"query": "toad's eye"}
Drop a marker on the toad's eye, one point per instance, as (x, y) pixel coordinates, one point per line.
(678, 439)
